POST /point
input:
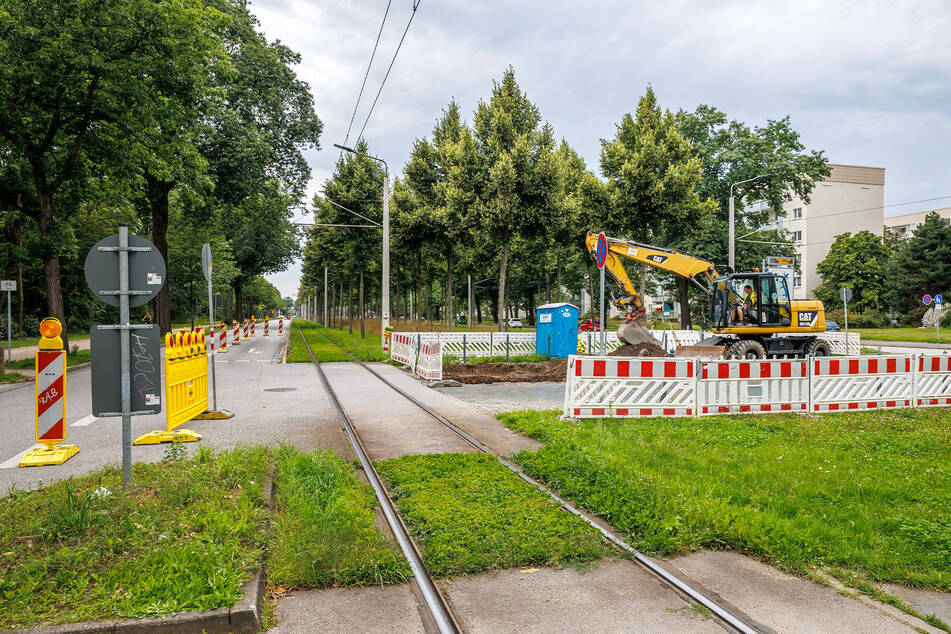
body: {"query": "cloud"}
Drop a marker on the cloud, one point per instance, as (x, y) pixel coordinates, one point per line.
(866, 82)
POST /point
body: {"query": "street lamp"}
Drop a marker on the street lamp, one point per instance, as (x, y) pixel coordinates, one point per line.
(385, 291)
(732, 227)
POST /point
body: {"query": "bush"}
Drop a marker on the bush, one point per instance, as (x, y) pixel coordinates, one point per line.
(869, 319)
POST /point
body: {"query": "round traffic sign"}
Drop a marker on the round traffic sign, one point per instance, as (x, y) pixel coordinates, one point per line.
(926, 299)
(601, 250)
(938, 300)
(146, 270)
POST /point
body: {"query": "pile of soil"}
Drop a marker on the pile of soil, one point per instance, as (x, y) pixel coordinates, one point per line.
(554, 370)
(646, 349)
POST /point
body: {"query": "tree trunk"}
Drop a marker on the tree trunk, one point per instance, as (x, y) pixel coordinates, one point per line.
(363, 330)
(558, 280)
(350, 304)
(419, 281)
(54, 288)
(157, 192)
(340, 307)
(643, 290)
(450, 313)
(238, 301)
(587, 266)
(685, 321)
(503, 269)
(547, 287)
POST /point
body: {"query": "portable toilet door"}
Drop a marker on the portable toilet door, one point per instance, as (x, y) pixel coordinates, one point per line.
(556, 329)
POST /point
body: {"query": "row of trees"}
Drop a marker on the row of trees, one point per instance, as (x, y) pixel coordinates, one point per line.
(504, 201)
(889, 274)
(175, 116)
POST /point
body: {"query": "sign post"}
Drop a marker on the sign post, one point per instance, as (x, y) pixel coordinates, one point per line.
(845, 293)
(123, 270)
(10, 286)
(214, 413)
(601, 256)
(938, 301)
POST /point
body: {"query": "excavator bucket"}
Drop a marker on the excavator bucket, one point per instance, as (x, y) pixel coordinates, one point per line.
(635, 333)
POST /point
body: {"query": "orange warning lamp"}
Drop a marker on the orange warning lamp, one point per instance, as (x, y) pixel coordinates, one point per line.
(50, 330)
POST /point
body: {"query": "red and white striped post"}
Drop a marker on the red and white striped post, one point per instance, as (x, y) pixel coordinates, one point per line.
(246, 328)
(267, 323)
(50, 399)
(252, 325)
(280, 326)
(222, 338)
(236, 338)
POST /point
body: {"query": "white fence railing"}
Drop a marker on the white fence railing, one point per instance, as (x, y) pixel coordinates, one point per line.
(629, 387)
(424, 358)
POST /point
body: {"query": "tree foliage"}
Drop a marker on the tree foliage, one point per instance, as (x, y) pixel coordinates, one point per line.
(859, 262)
(921, 266)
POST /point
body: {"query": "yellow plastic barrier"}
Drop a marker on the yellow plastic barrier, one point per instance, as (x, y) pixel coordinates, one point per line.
(186, 387)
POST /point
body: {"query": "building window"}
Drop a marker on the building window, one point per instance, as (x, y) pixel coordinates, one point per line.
(797, 236)
(797, 213)
(797, 281)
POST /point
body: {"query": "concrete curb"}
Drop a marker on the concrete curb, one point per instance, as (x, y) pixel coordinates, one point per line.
(243, 617)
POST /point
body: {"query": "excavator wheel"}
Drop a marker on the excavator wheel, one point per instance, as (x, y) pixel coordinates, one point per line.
(746, 349)
(818, 348)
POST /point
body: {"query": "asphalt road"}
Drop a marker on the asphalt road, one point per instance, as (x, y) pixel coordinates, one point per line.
(272, 402)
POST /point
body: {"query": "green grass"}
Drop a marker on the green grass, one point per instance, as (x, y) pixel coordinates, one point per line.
(470, 513)
(521, 358)
(186, 536)
(10, 376)
(323, 531)
(323, 349)
(33, 341)
(80, 356)
(869, 492)
(368, 349)
(925, 335)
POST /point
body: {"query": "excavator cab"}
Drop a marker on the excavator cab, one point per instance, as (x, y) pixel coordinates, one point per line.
(742, 301)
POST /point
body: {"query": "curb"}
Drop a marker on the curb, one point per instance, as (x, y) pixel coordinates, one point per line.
(243, 617)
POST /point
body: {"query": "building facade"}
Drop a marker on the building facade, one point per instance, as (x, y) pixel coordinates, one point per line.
(851, 199)
(905, 224)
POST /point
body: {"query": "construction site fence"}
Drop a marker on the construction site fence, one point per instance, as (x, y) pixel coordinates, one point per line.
(620, 387)
(507, 344)
(186, 376)
(424, 357)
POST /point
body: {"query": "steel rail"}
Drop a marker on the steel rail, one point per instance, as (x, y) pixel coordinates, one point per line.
(652, 566)
(436, 604)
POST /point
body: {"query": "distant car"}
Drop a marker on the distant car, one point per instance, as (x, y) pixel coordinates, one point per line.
(515, 322)
(461, 320)
(832, 326)
(590, 325)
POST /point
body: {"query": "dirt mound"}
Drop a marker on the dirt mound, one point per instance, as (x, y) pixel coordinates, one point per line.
(646, 349)
(554, 370)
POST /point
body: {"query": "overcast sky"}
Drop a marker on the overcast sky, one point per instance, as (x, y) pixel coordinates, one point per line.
(867, 82)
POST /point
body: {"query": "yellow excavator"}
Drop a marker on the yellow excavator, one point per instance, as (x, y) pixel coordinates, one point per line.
(751, 314)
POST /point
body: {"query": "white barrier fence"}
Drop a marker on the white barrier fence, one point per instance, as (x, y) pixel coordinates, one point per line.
(622, 387)
(424, 358)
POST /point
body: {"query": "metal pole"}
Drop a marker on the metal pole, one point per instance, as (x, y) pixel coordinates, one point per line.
(211, 333)
(124, 350)
(468, 305)
(325, 296)
(9, 328)
(732, 233)
(845, 309)
(386, 256)
(601, 325)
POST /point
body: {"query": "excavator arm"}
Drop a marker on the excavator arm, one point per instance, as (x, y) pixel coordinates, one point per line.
(634, 330)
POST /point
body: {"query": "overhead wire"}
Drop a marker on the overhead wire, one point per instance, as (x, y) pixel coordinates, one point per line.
(367, 74)
(416, 4)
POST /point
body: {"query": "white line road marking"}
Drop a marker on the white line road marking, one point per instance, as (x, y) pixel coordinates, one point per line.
(242, 360)
(15, 460)
(253, 350)
(82, 422)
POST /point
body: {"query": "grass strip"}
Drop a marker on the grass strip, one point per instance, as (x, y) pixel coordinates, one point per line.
(521, 358)
(924, 335)
(469, 513)
(75, 358)
(10, 376)
(323, 349)
(865, 491)
(323, 531)
(186, 536)
(365, 349)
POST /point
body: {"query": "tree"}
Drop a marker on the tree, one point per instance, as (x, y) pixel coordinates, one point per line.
(77, 84)
(922, 265)
(859, 262)
(517, 186)
(652, 177)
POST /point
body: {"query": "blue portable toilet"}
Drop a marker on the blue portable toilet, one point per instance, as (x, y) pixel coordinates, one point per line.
(557, 327)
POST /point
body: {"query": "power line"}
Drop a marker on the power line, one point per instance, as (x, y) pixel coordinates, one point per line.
(362, 86)
(910, 202)
(389, 68)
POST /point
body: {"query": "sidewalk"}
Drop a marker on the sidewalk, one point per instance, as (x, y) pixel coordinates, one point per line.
(906, 344)
(28, 352)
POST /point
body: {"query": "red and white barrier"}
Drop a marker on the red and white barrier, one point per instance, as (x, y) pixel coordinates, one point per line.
(245, 326)
(50, 396)
(222, 338)
(629, 387)
(252, 326)
(429, 362)
(403, 349)
(267, 323)
(280, 326)
(236, 337)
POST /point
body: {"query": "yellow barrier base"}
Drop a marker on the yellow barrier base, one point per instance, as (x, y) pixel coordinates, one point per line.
(220, 414)
(44, 456)
(160, 435)
(222, 350)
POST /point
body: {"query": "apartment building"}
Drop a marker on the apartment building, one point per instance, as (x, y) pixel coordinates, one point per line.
(905, 224)
(851, 199)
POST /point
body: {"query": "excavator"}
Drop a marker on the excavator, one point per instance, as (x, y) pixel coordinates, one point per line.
(751, 314)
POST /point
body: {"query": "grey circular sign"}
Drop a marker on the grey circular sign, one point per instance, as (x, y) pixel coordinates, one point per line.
(146, 270)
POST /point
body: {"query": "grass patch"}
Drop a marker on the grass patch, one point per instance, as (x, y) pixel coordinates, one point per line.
(323, 349)
(368, 349)
(186, 536)
(520, 358)
(323, 532)
(10, 376)
(75, 358)
(470, 513)
(869, 491)
(925, 335)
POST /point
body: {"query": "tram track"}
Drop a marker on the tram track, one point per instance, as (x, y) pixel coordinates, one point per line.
(727, 617)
